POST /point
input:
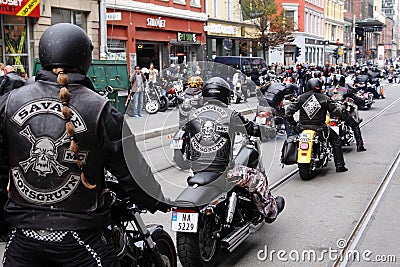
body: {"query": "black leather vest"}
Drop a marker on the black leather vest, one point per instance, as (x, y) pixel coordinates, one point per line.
(211, 135)
(44, 172)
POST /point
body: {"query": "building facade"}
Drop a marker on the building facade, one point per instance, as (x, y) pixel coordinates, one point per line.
(161, 32)
(227, 32)
(23, 22)
(334, 31)
(309, 37)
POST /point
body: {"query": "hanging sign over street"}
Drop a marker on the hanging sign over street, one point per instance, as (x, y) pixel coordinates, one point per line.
(24, 8)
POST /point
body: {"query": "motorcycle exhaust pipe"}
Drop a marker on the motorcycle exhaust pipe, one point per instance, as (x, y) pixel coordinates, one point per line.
(234, 239)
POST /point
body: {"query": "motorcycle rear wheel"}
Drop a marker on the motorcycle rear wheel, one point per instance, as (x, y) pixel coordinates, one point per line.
(306, 172)
(164, 103)
(201, 249)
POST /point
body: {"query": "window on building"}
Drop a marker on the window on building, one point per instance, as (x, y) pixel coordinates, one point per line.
(16, 46)
(60, 15)
(195, 2)
(333, 33)
(116, 49)
(289, 14)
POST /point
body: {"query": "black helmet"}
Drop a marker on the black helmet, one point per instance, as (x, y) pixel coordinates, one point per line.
(314, 84)
(217, 88)
(65, 45)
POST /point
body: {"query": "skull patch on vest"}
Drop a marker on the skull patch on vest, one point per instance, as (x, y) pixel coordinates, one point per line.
(43, 154)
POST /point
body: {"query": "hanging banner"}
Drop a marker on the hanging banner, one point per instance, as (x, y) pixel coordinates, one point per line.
(24, 8)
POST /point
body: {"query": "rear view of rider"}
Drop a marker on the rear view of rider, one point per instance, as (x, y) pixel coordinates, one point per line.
(59, 135)
(212, 128)
(341, 86)
(313, 106)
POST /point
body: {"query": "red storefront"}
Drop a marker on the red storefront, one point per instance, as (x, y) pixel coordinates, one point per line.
(149, 38)
(16, 33)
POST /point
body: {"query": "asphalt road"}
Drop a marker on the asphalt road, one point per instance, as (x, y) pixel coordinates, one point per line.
(319, 213)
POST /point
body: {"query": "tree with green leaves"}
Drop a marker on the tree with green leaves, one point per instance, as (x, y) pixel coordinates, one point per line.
(273, 29)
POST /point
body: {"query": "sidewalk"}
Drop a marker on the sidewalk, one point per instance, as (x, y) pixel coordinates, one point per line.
(163, 123)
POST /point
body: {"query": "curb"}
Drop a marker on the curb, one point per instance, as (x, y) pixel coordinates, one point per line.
(174, 128)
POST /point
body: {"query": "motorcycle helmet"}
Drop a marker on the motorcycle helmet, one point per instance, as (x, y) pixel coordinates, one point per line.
(217, 88)
(195, 82)
(65, 45)
(314, 84)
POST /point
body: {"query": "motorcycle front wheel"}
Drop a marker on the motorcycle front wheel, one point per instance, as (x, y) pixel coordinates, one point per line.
(201, 249)
(306, 171)
(166, 247)
(164, 103)
(152, 107)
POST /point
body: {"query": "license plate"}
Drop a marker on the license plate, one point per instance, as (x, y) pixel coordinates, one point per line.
(261, 120)
(184, 222)
(335, 128)
(304, 139)
(176, 144)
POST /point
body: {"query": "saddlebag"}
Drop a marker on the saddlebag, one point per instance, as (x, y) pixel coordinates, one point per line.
(289, 151)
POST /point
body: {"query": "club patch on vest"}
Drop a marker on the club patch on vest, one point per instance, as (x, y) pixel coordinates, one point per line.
(43, 154)
(36, 195)
(48, 106)
(311, 106)
(209, 139)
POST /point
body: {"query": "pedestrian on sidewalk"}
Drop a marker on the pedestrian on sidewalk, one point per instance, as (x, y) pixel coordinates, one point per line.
(137, 80)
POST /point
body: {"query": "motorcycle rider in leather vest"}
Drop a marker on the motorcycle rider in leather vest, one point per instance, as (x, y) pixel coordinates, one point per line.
(212, 129)
(275, 93)
(58, 136)
(341, 86)
(313, 106)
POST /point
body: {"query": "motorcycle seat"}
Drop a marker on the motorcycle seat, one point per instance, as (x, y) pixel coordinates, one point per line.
(203, 178)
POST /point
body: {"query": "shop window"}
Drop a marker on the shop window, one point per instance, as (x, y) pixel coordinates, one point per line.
(15, 40)
(60, 15)
(116, 49)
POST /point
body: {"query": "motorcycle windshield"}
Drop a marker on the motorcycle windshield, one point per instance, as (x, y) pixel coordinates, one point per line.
(207, 130)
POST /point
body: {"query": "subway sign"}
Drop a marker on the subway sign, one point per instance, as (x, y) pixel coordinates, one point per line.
(23, 8)
(186, 37)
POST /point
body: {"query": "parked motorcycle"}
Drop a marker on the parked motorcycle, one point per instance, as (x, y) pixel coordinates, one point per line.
(174, 91)
(154, 99)
(135, 243)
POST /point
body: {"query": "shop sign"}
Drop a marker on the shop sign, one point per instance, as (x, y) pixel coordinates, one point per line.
(160, 23)
(113, 16)
(187, 37)
(24, 8)
(221, 29)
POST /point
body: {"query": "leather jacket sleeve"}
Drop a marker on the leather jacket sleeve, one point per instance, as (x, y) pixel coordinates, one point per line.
(110, 138)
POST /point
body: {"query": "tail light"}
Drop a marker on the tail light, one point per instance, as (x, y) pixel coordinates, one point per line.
(333, 123)
(304, 146)
(263, 114)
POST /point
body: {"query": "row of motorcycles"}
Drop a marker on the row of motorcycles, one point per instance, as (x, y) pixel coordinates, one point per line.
(158, 99)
